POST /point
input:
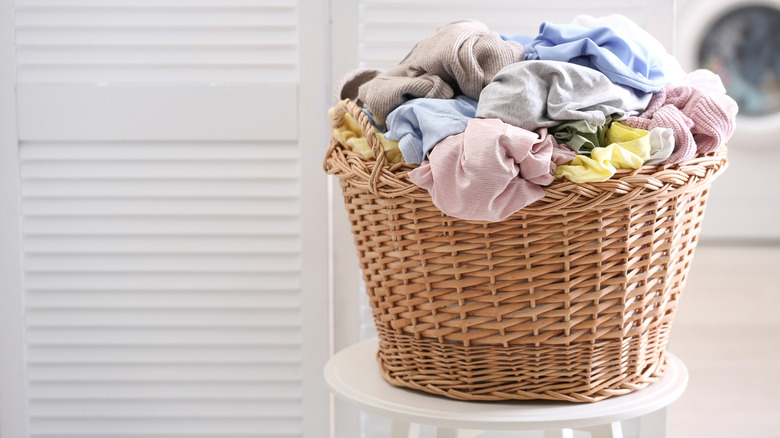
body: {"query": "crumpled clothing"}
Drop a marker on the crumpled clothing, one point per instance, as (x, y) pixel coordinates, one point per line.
(579, 135)
(351, 136)
(673, 71)
(623, 26)
(622, 58)
(490, 171)
(348, 86)
(710, 83)
(699, 123)
(661, 145)
(419, 124)
(582, 137)
(659, 140)
(628, 148)
(536, 94)
(600, 165)
(461, 58)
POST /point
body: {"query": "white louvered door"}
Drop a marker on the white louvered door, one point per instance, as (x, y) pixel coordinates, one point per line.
(162, 284)
(162, 184)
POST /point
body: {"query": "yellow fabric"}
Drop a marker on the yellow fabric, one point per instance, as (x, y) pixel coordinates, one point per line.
(634, 139)
(628, 148)
(351, 136)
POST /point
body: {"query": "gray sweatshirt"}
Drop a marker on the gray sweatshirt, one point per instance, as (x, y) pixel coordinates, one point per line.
(536, 94)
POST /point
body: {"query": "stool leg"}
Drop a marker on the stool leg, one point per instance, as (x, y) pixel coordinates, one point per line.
(404, 429)
(653, 425)
(559, 433)
(611, 430)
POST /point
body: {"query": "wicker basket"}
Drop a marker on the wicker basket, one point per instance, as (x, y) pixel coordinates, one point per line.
(571, 298)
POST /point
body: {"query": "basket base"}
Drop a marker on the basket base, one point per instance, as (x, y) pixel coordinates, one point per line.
(585, 372)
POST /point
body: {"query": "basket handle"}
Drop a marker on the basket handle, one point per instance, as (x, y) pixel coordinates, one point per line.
(337, 119)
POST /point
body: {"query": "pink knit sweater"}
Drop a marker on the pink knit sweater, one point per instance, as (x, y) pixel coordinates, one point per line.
(699, 123)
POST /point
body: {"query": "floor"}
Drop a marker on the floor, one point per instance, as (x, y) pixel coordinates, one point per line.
(727, 331)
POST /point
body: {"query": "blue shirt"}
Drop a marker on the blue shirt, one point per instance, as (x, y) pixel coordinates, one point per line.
(624, 60)
(420, 124)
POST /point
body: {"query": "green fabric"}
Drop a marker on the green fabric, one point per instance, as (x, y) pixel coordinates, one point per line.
(580, 136)
(628, 149)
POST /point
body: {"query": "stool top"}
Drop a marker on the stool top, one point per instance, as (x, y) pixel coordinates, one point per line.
(353, 375)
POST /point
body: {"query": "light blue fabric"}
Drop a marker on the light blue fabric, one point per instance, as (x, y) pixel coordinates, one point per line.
(420, 124)
(623, 59)
(522, 39)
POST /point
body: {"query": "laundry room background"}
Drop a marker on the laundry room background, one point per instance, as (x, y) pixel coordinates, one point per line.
(174, 260)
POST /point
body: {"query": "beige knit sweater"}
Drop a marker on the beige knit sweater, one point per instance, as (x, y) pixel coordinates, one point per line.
(460, 58)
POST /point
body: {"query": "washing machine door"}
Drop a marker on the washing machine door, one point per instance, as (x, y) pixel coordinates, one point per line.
(741, 42)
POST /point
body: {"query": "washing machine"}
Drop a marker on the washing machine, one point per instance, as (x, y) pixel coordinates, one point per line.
(740, 41)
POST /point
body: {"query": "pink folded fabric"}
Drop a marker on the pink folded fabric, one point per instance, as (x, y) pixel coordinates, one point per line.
(700, 124)
(491, 170)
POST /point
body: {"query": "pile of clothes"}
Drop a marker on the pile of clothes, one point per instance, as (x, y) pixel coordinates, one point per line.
(491, 118)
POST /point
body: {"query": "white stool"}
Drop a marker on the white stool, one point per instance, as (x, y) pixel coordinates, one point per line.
(353, 375)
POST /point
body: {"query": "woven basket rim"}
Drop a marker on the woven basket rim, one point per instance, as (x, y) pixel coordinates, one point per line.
(646, 184)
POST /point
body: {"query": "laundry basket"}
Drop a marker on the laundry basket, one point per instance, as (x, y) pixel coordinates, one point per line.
(571, 298)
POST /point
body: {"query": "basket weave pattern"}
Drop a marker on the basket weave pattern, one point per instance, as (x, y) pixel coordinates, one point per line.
(571, 298)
